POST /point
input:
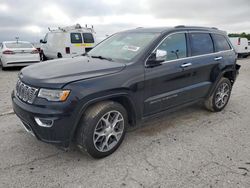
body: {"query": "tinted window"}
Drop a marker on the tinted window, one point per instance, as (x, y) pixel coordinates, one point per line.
(175, 46)
(88, 38)
(76, 37)
(18, 45)
(220, 43)
(201, 43)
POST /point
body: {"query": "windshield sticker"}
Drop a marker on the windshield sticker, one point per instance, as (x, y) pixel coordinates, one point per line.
(131, 48)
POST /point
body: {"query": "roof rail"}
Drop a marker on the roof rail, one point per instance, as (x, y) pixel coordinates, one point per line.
(183, 26)
(179, 26)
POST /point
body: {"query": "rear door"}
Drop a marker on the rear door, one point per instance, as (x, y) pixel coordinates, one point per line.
(204, 60)
(88, 40)
(76, 41)
(224, 51)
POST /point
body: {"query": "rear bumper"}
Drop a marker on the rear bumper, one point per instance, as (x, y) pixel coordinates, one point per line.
(9, 61)
(59, 133)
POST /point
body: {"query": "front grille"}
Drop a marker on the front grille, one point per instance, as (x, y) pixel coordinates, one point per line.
(25, 92)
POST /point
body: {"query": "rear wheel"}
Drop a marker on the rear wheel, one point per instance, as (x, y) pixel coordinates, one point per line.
(102, 129)
(220, 97)
(1, 63)
(59, 55)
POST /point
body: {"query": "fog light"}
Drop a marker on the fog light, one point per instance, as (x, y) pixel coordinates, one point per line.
(44, 122)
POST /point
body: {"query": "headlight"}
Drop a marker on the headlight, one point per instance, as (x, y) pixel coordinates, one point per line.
(53, 95)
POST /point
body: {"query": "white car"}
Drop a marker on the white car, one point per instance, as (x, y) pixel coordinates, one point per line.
(66, 42)
(18, 53)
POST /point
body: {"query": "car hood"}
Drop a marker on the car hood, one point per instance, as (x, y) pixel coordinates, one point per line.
(57, 73)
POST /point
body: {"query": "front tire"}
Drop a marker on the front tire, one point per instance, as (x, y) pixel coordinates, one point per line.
(102, 129)
(43, 57)
(220, 97)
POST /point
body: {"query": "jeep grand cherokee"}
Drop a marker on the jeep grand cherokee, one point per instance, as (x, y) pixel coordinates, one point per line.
(126, 79)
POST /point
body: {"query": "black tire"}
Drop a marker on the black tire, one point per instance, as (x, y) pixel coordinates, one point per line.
(59, 55)
(43, 57)
(211, 103)
(3, 68)
(90, 121)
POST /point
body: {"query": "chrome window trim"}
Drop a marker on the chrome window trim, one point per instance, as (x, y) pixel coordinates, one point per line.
(190, 57)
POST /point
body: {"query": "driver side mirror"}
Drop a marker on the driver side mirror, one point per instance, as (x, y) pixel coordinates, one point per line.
(156, 58)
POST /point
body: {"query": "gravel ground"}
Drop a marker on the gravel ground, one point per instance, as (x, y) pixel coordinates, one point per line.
(189, 148)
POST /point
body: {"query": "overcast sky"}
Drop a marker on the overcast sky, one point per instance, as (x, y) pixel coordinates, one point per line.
(30, 19)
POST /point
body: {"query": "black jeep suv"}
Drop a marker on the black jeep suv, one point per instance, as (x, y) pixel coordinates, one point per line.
(129, 77)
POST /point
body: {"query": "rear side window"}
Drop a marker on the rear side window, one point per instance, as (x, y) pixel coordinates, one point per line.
(175, 46)
(220, 43)
(88, 38)
(201, 43)
(76, 38)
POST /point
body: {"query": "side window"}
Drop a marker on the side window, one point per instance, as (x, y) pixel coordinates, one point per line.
(201, 43)
(175, 46)
(76, 38)
(220, 43)
(88, 38)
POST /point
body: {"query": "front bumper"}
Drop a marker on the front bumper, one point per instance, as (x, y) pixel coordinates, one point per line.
(59, 133)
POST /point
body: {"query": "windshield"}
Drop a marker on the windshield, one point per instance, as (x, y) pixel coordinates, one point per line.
(123, 46)
(18, 45)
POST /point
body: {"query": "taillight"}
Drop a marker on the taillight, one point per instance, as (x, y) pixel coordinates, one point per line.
(8, 52)
(67, 50)
(35, 52)
(238, 41)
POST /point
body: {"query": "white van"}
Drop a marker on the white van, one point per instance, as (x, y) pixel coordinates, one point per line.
(241, 46)
(67, 42)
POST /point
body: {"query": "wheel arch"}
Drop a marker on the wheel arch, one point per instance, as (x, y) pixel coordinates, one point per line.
(228, 72)
(122, 98)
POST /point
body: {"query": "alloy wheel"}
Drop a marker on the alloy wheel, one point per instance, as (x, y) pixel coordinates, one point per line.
(108, 131)
(222, 95)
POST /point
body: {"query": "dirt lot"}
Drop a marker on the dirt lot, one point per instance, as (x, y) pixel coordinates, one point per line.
(189, 148)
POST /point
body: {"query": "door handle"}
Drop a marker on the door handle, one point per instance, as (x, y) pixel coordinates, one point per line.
(218, 58)
(186, 65)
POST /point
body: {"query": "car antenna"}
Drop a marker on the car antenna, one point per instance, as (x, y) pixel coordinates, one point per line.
(17, 38)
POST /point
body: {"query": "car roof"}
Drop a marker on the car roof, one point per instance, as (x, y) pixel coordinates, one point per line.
(179, 28)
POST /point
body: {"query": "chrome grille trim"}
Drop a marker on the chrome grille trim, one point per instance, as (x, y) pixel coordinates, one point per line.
(25, 93)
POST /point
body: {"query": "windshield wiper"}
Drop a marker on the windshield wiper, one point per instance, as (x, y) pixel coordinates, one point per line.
(101, 57)
(84, 54)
